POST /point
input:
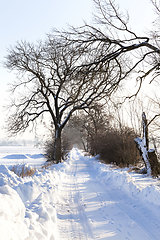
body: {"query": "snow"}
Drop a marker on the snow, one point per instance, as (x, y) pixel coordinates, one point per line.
(26, 204)
(142, 146)
(80, 198)
(10, 155)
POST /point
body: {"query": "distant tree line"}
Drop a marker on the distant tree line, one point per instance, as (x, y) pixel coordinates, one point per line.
(96, 133)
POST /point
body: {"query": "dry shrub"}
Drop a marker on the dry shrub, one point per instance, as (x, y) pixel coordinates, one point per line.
(116, 146)
(47, 165)
(23, 170)
(49, 148)
(155, 165)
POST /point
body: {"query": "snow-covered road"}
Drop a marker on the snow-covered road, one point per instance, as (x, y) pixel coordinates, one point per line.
(78, 199)
(87, 208)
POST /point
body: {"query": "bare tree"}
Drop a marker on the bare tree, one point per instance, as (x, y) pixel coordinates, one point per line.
(97, 123)
(49, 82)
(71, 71)
(114, 143)
(111, 42)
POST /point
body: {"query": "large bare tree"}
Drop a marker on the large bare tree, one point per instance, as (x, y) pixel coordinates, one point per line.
(50, 82)
(69, 72)
(110, 40)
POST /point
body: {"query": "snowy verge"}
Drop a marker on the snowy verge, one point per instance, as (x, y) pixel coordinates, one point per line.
(140, 186)
(26, 205)
(136, 185)
(12, 215)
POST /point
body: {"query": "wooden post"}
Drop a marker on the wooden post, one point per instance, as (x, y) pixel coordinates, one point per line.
(143, 144)
(148, 155)
(145, 131)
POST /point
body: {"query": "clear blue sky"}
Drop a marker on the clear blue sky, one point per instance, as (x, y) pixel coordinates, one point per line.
(32, 19)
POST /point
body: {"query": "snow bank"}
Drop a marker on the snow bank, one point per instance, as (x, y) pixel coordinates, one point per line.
(8, 177)
(12, 215)
(41, 218)
(139, 186)
(26, 205)
(15, 156)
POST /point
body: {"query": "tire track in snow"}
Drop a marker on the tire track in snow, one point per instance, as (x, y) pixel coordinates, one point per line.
(91, 210)
(81, 210)
(123, 216)
(72, 220)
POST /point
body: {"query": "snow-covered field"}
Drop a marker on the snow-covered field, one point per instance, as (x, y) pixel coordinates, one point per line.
(10, 155)
(80, 198)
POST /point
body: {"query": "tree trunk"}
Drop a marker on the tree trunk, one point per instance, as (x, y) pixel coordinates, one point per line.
(143, 143)
(144, 153)
(155, 165)
(57, 146)
(146, 144)
(149, 156)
